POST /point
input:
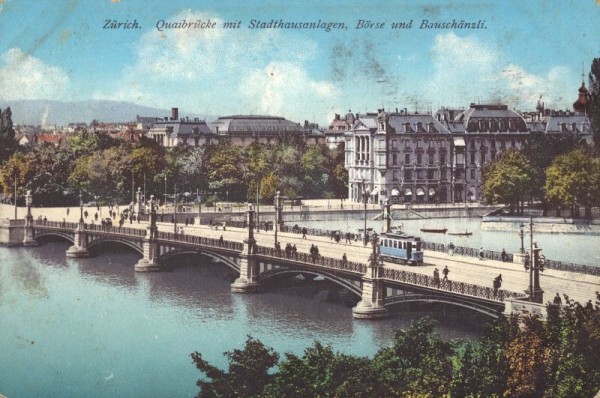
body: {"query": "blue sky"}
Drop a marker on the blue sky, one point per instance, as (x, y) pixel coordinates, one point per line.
(59, 50)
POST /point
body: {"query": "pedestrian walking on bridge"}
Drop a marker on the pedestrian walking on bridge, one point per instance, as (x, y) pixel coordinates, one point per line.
(445, 271)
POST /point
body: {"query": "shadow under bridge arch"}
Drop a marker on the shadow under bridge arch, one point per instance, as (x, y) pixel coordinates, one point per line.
(345, 283)
(229, 261)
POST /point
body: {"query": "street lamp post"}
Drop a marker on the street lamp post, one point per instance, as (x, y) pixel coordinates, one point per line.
(257, 206)
(276, 216)
(522, 236)
(175, 211)
(15, 195)
(364, 193)
(80, 207)
(198, 198)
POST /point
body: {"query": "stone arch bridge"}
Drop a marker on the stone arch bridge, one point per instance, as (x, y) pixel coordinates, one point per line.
(379, 287)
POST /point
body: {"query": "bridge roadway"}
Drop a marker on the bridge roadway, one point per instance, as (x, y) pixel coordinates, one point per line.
(577, 286)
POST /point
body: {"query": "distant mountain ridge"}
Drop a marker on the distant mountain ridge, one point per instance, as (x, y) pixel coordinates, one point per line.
(60, 113)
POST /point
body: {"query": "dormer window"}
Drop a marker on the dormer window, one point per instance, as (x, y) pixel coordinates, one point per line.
(432, 128)
(407, 128)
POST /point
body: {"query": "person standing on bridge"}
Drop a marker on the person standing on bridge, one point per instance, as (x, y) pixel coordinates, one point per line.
(445, 271)
(481, 253)
(344, 259)
(504, 256)
(304, 231)
(497, 283)
(436, 277)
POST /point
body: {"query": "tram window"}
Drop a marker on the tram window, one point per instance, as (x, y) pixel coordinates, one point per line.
(409, 245)
(395, 244)
(418, 246)
(404, 245)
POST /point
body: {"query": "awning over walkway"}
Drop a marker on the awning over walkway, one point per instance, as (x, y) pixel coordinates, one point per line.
(459, 141)
(407, 192)
(395, 192)
(431, 191)
(420, 192)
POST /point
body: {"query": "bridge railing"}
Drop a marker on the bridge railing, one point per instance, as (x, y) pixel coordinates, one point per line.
(326, 262)
(55, 224)
(447, 285)
(116, 230)
(201, 240)
(466, 251)
(493, 255)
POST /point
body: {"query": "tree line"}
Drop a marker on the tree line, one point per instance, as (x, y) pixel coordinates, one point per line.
(515, 357)
(109, 169)
(555, 171)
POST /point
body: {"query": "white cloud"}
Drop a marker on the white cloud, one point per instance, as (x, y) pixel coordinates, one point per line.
(467, 68)
(23, 76)
(284, 85)
(220, 71)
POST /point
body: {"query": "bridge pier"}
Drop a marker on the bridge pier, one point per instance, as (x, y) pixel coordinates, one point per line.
(249, 267)
(371, 305)
(79, 248)
(149, 263)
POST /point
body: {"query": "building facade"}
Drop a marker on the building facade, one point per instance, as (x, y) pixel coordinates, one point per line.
(423, 158)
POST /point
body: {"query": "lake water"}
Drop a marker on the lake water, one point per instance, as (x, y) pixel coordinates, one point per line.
(95, 328)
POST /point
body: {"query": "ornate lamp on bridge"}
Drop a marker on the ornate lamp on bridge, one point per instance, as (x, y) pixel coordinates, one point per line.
(150, 246)
(278, 218)
(28, 239)
(371, 306)
(79, 248)
(249, 266)
(534, 265)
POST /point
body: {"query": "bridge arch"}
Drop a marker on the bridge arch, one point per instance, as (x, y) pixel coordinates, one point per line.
(490, 310)
(46, 234)
(346, 284)
(217, 256)
(131, 244)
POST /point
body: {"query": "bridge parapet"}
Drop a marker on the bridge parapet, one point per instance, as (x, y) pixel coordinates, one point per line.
(56, 224)
(201, 241)
(462, 288)
(326, 262)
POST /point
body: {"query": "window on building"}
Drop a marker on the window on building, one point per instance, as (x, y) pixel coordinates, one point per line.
(493, 143)
(395, 175)
(394, 144)
(513, 143)
(430, 174)
(472, 157)
(493, 155)
(472, 174)
(442, 158)
(408, 174)
(418, 143)
(430, 159)
(394, 158)
(420, 174)
(483, 158)
(407, 158)
(419, 158)
(443, 175)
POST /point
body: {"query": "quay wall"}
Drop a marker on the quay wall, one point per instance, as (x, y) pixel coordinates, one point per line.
(551, 225)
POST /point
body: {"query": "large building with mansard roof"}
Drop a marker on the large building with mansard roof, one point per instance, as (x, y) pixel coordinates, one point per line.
(424, 158)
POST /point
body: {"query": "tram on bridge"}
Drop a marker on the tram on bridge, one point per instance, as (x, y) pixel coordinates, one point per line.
(401, 248)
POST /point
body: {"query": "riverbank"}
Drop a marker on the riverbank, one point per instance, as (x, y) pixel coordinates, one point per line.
(550, 225)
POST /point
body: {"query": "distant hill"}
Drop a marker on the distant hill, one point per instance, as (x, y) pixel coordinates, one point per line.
(47, 112)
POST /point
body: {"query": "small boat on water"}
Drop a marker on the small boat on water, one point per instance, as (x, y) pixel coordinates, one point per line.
(466, 233)
(435, 230)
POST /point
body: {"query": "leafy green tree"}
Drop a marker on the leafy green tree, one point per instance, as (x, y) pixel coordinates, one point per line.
(8, 145)
(508, 180)
(225, 168)
(19, 168)
(322, 373)
(419, 362)
(247, 376)
(593, 108)
(572, 180)
(541, 150)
